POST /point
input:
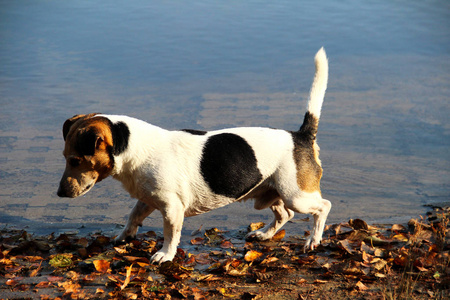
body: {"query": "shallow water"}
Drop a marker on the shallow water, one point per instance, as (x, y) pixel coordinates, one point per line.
(384, 132)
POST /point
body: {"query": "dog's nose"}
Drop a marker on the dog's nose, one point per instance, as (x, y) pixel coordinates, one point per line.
(61, 192)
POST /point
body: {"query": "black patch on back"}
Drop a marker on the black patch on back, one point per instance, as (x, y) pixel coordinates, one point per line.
(229, 165)
(120, 135)
(194, 132)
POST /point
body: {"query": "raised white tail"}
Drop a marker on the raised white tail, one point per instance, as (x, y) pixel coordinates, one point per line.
(319, 85)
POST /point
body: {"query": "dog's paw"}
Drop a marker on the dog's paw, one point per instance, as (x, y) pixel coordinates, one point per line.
(310, 245)
(123, 238)
(161, 256)
(258, 235)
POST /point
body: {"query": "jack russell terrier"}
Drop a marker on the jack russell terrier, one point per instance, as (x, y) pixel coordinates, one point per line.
(189, 172)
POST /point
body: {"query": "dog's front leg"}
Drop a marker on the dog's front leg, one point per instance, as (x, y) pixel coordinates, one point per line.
(138, 214)
(173, 215)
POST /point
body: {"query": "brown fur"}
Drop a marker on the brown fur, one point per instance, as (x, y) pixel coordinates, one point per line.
(309, 170)
(88, 154)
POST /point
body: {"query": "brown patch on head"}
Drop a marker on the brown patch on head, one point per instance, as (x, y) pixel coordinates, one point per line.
(88, 153)
(309, 170)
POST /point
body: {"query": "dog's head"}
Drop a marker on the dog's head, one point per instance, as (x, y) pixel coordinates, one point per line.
(90, 145)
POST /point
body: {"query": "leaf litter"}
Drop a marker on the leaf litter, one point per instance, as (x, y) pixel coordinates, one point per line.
(356, 260)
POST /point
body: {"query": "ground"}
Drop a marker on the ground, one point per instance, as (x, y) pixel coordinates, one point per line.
(354, 261)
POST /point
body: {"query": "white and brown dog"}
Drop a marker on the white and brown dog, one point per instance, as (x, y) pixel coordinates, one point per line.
(188, 172)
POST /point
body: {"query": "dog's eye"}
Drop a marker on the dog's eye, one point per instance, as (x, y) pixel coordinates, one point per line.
(74, 162)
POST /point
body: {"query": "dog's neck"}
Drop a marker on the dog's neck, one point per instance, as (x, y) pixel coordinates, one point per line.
(144, 139)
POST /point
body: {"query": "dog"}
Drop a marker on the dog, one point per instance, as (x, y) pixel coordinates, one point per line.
(188, 172)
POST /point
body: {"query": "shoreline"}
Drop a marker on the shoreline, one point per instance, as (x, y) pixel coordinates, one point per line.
(356, 260)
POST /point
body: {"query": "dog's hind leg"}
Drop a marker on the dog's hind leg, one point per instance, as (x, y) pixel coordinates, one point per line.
(139, 212)
(281, 216)
(311, 203)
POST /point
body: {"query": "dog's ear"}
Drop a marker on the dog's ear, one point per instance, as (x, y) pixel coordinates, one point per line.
(69, 122)
(89, 141)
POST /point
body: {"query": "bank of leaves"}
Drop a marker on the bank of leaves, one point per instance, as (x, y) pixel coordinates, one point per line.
(355, 260)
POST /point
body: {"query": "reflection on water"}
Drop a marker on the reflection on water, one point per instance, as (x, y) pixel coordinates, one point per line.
(384, 131)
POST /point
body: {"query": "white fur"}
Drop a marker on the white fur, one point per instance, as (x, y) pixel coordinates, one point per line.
(319, 85)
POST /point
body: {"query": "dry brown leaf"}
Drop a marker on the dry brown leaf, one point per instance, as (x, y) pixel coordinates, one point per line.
(136, 259)
(224, 293)
(421, 269)
(209, 277)
(269, 260)
(303, 280)
(69, 286)
(400, 237)
(197, 241)
(226, 245)
(36, 271)
(361, 287)
(203, 258)
(101, 265)
(344, 244)
(256, 226)
(120, 250)
(398, 227)
(11, 282)
(379, 265)
(43, 284)
(279, 235)
(252, 255)
(128, 277)
(318, 281)
(358, 224)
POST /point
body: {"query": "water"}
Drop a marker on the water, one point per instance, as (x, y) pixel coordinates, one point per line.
(384, 131)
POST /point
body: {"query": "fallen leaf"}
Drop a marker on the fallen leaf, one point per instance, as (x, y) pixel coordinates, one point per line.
(400, 237)
(236, 267)
(43, 284)
(136, 259)
(318, 281)
(101, 265)
(131, 295)
(61, 260)
(422, 269)
(358, 224)
(69, 286)
(379, 265)
(208, 277)
(226, 245)
(203, 258)
(361, 287)
(36, 271)
(398, 227)
(252, 255)
(269, 260)
(11, 282)
(256, 226)
(224, 293)
(279, 235)
(197, 241)
(344, 244)
(128, 277)
(54, 278)
(120, 250)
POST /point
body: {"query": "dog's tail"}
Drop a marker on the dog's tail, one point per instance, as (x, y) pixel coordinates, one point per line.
(318, 88)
